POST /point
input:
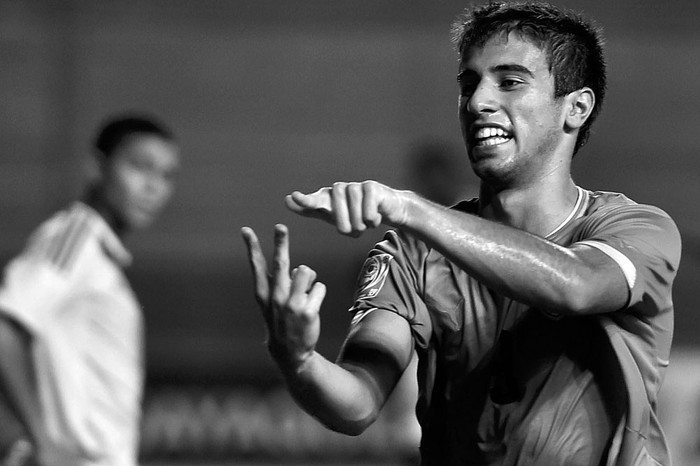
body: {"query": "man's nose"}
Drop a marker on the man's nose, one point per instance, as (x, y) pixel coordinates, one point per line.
(482, 100)
(159, 184)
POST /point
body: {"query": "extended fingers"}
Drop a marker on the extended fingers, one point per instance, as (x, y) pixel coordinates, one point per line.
(280, 265)
(257, 264)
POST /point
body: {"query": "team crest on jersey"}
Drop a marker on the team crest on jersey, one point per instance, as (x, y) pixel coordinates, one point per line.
(374, 272)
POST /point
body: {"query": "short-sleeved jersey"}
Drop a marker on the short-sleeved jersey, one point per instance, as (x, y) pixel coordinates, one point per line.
(501, 383)
(67, 288)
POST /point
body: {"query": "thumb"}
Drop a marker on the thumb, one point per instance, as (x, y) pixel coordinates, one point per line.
(293, 205)
(319, 200)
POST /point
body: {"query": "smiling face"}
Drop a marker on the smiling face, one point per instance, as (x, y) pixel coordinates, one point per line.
(512, 124)
(138, 179)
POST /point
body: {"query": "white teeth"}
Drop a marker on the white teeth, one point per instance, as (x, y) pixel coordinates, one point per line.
(492, 141)
(489, 132)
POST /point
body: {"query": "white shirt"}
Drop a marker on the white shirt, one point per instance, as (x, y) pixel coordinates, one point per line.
(68, 289)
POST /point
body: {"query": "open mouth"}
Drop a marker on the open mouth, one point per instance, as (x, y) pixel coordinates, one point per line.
(491, 136)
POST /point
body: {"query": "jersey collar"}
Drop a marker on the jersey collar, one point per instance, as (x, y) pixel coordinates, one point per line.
(575, 213)
(109, 240)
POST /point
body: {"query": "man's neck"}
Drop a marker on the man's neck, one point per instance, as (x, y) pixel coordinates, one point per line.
(538, 208)
(94, 198)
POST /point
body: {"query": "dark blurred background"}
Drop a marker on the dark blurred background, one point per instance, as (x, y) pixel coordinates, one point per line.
(270, 96)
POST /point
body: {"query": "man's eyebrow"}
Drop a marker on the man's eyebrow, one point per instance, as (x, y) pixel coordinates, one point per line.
(512, 67)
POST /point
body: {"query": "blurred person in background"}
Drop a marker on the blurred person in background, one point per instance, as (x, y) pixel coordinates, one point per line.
(541, 312)
(71, 329)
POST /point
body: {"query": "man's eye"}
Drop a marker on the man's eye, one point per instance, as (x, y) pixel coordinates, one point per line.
(509, 83)
(140, 164)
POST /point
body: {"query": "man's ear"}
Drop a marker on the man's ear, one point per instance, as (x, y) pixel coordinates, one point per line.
(579, 105)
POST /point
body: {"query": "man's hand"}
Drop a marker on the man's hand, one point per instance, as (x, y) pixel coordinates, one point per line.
(290, 302)
(353, 207)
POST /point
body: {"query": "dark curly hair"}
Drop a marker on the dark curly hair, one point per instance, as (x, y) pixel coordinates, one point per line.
(117, 128)
(573, 45)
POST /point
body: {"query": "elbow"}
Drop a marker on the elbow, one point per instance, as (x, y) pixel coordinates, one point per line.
(352, 422)
(573, 305)
(357, 427)
(584, 297)
(352, 428)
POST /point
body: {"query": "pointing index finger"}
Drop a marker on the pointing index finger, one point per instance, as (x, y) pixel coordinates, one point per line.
(280, 267)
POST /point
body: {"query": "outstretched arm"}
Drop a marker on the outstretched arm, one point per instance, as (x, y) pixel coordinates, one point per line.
(575, 280)
(348, 395)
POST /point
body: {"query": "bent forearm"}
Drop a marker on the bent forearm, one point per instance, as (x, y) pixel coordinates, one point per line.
(339, 397)
(17, 379)
(518, 264)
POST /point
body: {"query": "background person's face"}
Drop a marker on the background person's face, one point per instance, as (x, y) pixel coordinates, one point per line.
(139, 179)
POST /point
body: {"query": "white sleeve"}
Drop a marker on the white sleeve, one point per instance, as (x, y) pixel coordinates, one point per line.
(628, 268)
(31, 290)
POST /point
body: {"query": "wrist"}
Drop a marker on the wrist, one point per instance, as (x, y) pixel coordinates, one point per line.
(290, 363)
(412, 209)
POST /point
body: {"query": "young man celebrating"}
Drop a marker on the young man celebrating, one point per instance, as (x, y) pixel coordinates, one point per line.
(541, 312)
(71, 330)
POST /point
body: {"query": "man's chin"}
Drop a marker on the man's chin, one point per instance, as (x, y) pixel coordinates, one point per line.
(140, 221)
(489, 172)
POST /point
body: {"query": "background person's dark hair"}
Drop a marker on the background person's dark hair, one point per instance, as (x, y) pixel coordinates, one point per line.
(116, 129)
(574, 45)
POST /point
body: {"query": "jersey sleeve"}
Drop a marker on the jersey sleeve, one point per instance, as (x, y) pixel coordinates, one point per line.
(645, 243)
(33, 286)
(391, 279)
